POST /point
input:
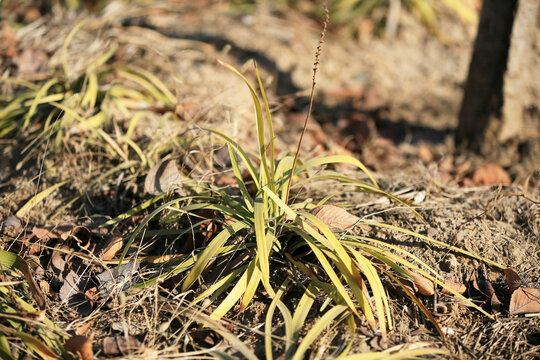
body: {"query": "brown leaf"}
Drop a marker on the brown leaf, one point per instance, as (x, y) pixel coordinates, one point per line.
(457, 287)
(483, 285)
(81, 345)
(163, 177)
(512, 280)
(70, 286)
(525, 301)
(495, 303)
(57, 259)
(81, 330)
(424, 286)
(490, 174)
(112, 246)
(53, 232)
(122, 345)
(336, 218)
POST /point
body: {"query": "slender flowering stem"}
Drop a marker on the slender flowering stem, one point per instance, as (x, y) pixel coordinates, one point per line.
(315, 68)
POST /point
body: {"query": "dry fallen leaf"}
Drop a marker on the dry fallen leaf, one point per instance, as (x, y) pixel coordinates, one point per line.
(490, 174)
(122, 345)
(336, 218)
(163, 177)
(53, 232)
(525, 301)
(457, 287)
(112, 246)
(512, 280)
(81, 345)
(483, 285)
(424, 286)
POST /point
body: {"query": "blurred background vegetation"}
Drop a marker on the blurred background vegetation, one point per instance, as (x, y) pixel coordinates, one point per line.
(347, 14)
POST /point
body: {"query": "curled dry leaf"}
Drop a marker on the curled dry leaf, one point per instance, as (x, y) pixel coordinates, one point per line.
(512, 280)
(81, 234)
(163, 177)
(457, 287)
(336, 218)
(424, 286)
(81, 345)
(490, 174)
(122, 345)
(525, 301)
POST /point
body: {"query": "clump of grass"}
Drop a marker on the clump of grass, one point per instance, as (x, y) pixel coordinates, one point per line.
(263, 230)
(96, 110)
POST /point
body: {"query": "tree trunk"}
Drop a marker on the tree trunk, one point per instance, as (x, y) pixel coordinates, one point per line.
(515, 91)
(483, 96)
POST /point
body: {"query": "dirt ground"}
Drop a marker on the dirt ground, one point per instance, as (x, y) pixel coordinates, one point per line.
(392, 104)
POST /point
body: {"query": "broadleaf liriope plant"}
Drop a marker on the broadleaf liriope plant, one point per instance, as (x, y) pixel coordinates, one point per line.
(266, 229)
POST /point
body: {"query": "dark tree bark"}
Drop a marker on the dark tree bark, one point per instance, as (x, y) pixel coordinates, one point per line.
(483, 95)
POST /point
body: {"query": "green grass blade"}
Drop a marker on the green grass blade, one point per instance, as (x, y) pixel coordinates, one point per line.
(270, 127)
(316, 330)
(379, 294)
(317, 251)
(263, 250)
(5, 351)
(66, 45)
(36, 199)
(171, 99)
(210, 251)
(90, 96)
(300, 314)
(234, 295)
(438, 243)
(238, 149)
(146, 85)
(221, 285)
(264, 170)
(270, 315)
(31, 342)
(40, 94)
(239, 180)
(337, 159)
(254, 278)
(143, 224)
